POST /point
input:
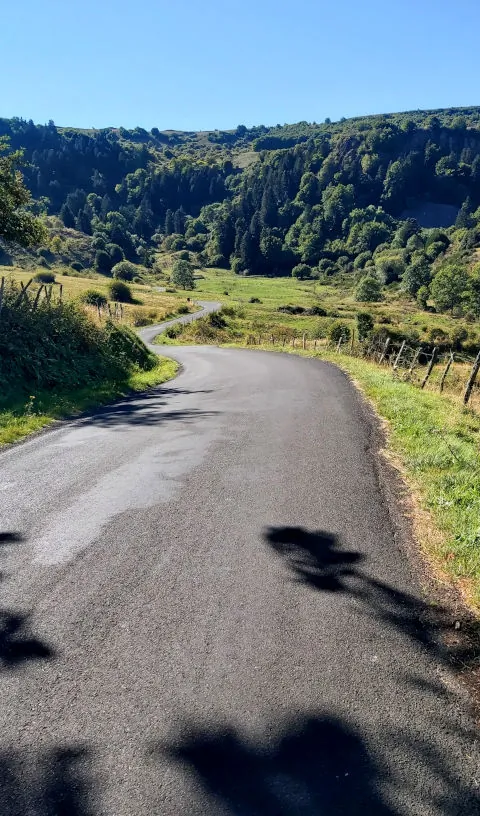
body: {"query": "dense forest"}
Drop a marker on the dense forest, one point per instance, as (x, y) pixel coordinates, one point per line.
(385, 200)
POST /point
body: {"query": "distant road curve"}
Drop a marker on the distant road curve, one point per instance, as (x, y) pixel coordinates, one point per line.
(149, 333)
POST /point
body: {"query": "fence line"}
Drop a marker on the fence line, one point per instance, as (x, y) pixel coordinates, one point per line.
(436, 369)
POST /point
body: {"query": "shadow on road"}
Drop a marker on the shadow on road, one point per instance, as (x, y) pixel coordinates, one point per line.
(54, 783)
(147, 409)
(318, 560)
(317, 765)
(17, 644)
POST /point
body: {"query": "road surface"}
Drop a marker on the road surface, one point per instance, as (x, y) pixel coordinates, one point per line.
(205, 610)
(206, 307)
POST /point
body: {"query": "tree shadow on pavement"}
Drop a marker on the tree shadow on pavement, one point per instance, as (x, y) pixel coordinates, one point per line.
(146, 409)
(55, 783)
(318, 560)
(316, 765)
(17, 644)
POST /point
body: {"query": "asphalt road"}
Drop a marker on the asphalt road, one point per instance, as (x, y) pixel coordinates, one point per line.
(205, 610)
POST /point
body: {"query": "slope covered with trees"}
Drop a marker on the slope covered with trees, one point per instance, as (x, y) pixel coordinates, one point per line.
(381, 200)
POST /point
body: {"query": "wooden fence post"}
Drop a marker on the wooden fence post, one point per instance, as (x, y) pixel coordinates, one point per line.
(272, 340)
(385, 349)
(303, 341)
(315, 344)
(60, 293)
(451, 359)
(2, 289)
(293, 342)
(430, 367)
(37, 298)
(352, 341)
(471, 379)
(399, 356)
(340, 341)
(414, 361)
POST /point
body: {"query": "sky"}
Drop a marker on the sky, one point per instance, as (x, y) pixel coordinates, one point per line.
(192, 65)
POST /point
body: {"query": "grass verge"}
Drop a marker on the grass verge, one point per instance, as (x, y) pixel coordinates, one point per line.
(23, 418)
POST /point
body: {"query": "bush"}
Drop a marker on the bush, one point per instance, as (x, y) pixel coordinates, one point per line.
(76, 266)
(365, 325)
(103, 262)
(120, 292)
(369, 290)
(302, 271)
(44, 277)
(339, 330)
(254, 300)
(124, 270)
(294, 310)
(92, 297)
(59, 347)
(183, 309)
(173, 331)
(319, 311)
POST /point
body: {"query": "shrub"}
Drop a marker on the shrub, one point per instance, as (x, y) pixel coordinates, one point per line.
(173, 331)
(45, 277)
(103, 262)
(216, 320)
(225, 292)
(254, 300)
(92, 297)
(116, 253)
(228, 311)
(369, 290)
(319, 311)
(365, 325)
(120, 292)
(183, 309)
(302, 271)
(291, 309)
(124, 270)
(76, 266)
(339, 330)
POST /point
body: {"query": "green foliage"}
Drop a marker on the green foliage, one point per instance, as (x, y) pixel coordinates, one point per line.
(56, 346)
(423, 294)
(120, 292)
(125, 271)
(339, 331)
(448, 287)
(17, 224)
(182, 275)
(92, 297)
(103, 262)
(369, 290)
(44, 277)
(302, 271)
(365, 324)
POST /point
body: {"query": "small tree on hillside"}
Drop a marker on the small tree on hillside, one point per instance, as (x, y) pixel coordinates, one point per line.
(16, 223)
(364, 324)
(182, 275)
(369, 290)
(449, 287)
(302, 271)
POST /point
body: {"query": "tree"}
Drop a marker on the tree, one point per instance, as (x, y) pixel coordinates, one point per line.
(67, 216)
(120, 292)
(415, 276)
(124, 270)
(474, 291)
(302, 271)
(364, 324)
(449, 287)
(464, 217)
(369, 290)
(16, 223)
(103, 262)
(182, 275)
(422, 297)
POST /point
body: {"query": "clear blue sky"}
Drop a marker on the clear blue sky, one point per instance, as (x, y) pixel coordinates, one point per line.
(195, 65)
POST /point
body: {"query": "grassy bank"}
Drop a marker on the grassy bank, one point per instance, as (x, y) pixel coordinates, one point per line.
(23, 417)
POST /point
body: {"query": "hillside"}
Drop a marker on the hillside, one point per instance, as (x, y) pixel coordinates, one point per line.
(392, 200)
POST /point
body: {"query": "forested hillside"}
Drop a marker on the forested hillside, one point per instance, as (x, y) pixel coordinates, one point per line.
(381, 200)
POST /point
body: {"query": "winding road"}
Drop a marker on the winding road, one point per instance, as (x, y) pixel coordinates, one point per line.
(206, 609)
